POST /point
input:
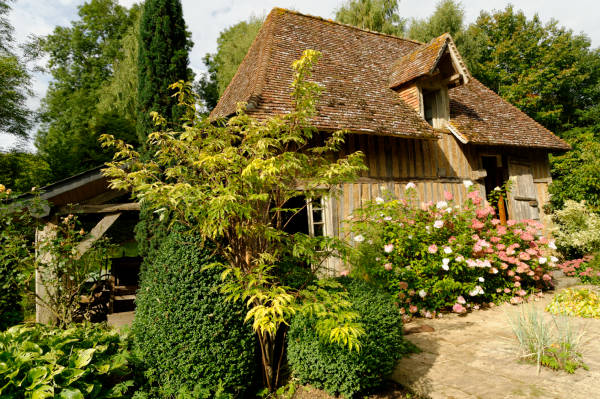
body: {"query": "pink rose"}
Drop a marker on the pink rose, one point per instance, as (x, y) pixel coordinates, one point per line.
(403, 285)
(507, 290)
(501, 230)
(387, 266)
(413, 309)
(496, 222)
(526, 237)
(511, 222)
(458, 308)
(448, 196)
(477, 225)
(432, 249)
(495, 239)
(524, 256)
(344, 273)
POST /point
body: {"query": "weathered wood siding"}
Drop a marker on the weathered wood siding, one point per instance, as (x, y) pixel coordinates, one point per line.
(433, 166)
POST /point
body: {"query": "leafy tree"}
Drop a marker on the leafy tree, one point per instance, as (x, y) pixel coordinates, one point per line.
(162, 59)
(377, 15)
(21, 170)
(545, 70)
(575, 173)
(231, 183)
(449, 16)
(232, 45)
(81, 59)
(15, 117)
(118, 95)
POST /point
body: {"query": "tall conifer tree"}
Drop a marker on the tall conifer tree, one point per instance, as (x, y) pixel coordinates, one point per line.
(163, 59)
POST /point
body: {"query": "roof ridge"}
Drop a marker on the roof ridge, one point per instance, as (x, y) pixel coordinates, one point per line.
(346, 25)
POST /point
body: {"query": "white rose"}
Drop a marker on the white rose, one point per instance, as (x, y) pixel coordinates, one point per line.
(411, 185)
(359, 238)
(379, 200)
(467, 183)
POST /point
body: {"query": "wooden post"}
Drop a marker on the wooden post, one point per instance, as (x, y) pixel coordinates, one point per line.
(42, 314)
(502, 210)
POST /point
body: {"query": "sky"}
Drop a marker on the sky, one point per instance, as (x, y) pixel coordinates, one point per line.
(206, 18)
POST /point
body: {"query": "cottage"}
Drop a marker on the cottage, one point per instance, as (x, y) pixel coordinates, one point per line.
(413, 109)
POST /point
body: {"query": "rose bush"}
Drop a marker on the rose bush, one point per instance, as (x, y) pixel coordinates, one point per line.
(447, 255)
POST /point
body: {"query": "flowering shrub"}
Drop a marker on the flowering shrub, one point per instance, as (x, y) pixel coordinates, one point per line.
(586, 268)
(576, 229)
(448, 255)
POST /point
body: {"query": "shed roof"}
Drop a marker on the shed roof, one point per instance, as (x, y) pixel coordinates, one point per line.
(355, 71)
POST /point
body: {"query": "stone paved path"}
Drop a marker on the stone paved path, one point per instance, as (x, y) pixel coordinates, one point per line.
(474, 357)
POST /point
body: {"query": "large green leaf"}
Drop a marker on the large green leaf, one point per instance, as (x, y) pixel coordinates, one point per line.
(70, 393)
(84, 357)
(37, 376)
(70, 375)
(45, 391)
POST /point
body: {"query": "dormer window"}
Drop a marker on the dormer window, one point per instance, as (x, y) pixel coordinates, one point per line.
(422, 79)
(436, 106)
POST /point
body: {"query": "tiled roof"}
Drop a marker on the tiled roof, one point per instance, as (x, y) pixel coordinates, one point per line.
(417, 63)
(355, 70)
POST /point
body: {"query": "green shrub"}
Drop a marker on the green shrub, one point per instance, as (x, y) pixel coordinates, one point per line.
(336, 369)
(37, 361)
(11, 311)
(446, 255)
(185, 333)
(576, 229)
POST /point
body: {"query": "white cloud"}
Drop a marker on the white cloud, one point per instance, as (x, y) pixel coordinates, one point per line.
(207, 18)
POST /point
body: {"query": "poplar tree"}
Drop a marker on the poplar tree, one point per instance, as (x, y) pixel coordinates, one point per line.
(162, 60)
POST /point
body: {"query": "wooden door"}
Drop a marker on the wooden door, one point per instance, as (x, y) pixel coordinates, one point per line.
(523, 203)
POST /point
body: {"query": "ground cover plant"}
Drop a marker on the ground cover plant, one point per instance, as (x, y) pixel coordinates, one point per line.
(576, 302)
(551, 343)
(446, 255)
(83, 361)
(231, 182)
(327, 366)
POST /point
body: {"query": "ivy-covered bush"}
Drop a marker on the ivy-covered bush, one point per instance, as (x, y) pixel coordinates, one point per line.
(186, 335)
(445, 255)
(334, 368)
(576, 229)
(84, 361)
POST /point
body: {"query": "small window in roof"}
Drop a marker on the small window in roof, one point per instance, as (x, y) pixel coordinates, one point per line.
(435, 107)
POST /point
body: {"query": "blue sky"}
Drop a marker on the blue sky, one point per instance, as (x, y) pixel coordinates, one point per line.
(206, 18)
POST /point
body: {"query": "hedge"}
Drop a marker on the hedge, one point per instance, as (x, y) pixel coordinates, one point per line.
(185, 333)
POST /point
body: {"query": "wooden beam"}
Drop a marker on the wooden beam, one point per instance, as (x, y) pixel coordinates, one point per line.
(97, 232)
(103, 208)
(105, 197)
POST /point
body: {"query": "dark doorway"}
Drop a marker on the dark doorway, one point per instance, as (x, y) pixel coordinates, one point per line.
(497, 175)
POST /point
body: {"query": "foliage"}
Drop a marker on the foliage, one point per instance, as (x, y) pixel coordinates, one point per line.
(16, 236)
(545, 70)
(587, 269)
(22, 170)
(553, 344)
(118, 95)
(441, 256)
(184, 332)
(81, 362)
(574, 173)
(575, 302)
(576, 229)
(66, 270)
(232, 45)
(326, 366)
(15, 117)
(81, 59)
(163, 50)
(448, 17)
(376, 15)
(230, 182)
